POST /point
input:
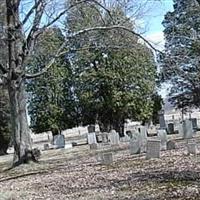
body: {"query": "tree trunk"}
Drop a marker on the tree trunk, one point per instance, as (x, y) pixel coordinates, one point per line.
(19, 123)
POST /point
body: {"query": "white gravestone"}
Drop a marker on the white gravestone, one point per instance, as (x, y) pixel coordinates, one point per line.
(187, 129)
(153, 149)
(143, 138)
(162, 135)
(92, 138)
(135, 143)
(113, 137)
(59, 141)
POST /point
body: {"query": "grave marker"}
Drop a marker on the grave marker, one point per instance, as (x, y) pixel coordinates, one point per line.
(162, 119)
(113, 137)
(59, 141)
(162, 135)
(153, 149)
(187, 129)
(92, 138)
(135, 143)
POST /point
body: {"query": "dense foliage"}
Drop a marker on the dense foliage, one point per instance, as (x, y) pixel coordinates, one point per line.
(182, 58)
(115, 74)
(51, 103)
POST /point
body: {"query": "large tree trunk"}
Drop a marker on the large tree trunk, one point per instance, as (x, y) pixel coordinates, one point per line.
(16, 85)
(19, 123)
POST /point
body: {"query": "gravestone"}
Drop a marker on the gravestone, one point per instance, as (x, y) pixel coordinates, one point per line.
(171, 145)
(99, 137)
(180, 130)
(143, 138)
(192, 147)
(91, 129)
(113, 137)
(135, 143)
(153, 149)
(194, 123)
(187, 129)
(107, 158)
(93, 146)
(170, 128)
(104, 137)
(59, 141)
(92, 138)
(162, 135)
(161, 119)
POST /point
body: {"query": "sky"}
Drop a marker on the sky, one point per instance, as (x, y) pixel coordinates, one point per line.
(152, 20)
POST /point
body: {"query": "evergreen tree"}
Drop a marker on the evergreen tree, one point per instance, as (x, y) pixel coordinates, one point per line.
(50, 94)
(115, 75)
(181, 60)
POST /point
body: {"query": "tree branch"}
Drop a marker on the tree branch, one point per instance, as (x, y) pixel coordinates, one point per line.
(112, 28)
(30, 12)
(59, 52)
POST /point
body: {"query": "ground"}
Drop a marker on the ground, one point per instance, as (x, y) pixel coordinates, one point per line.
(76, 174)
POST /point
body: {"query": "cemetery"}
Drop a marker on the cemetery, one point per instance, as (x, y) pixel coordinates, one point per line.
(99, 100)
(106, 166)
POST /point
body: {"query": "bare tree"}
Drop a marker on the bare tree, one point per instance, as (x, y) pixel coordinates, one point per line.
(25, 21)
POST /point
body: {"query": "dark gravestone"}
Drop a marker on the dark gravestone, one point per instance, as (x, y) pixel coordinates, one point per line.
(91, 129)
(170, 128)
(194, 123)
(162, 119)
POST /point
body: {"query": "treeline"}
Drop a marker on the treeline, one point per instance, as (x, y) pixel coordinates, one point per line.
(103, 77)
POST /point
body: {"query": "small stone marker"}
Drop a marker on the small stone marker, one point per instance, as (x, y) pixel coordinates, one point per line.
(113, 137)
(187, 129)
(162, 135)
(153, 149)
(135, 143)
(68, 145)
(93, 146)
(92, 138)
(192, 147)
(171, 145)
(107, 158)
(59, 141)
(104, 137)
